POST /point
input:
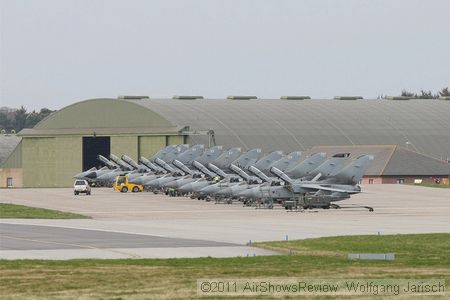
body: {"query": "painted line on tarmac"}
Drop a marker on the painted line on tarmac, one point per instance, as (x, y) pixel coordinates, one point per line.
(81, 228)
(72, 245)
(159, 211)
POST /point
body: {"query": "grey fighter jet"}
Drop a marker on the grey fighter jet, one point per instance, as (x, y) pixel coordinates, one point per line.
(194, 174)
(274, 188)
(92, 174)
(263, 170)
(302, 169)
(229, 179)
(223, 161)
(185, 157)
(108, 178)
(251, 181)
(166, 154)
(336, 187)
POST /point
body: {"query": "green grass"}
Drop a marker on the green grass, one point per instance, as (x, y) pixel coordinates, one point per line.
(410, 249)
(26, 212)
(434, 185)
(417, 256)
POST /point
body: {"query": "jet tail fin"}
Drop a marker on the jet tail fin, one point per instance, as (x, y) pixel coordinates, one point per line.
(354, 171)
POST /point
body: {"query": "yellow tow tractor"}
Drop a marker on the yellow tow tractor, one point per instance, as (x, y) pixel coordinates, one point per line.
(123, 185)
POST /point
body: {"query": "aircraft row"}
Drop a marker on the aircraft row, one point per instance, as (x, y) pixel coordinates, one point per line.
(227, 175)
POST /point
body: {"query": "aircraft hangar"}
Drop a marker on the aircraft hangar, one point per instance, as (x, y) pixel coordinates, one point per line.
(69, 140)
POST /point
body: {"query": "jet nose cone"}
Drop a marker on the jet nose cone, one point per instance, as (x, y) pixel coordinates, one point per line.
(78, 176)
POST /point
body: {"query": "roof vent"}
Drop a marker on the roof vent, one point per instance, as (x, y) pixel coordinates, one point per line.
(295, 97)
(128, 97)
(348, 97)
(397, 98)
(187, 97)
(241, 97)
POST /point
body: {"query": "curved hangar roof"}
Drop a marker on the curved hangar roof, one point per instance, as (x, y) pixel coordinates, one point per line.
(419, 125)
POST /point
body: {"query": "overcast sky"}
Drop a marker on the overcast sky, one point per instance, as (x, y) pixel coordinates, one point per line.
(55, 52)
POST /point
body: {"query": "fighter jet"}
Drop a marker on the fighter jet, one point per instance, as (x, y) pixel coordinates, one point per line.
(193, 173)
(229, 179)
(170, 155)
(108, 178)
(263, 170)
(92, 174)
(139, 169)
(185, 157)
(224, 161)
(231, 190)
(303, 168)
(274, 188)
(156, 170)
(166, 154)
(272, 185)
(323, 192)
(252, 181)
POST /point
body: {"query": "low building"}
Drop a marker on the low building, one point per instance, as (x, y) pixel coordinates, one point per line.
(393, 164)
(10, 161)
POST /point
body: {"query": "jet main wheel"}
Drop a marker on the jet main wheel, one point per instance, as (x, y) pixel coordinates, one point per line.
(75, 193)
(135, 189)
(124, 189)
(88, 193)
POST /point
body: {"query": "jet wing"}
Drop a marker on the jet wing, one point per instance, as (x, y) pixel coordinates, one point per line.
(324, 188)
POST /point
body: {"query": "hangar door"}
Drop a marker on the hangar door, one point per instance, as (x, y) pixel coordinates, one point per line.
(92, 147)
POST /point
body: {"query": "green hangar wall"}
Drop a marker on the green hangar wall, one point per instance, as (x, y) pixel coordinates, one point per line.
(52, 151)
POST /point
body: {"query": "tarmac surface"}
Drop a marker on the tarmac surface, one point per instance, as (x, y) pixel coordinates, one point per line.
(32, 237)
(158, 226)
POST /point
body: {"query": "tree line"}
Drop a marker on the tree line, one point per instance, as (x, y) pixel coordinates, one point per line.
(17, 119)
(426, 94)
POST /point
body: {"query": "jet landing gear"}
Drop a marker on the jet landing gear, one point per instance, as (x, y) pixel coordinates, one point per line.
(304, 203)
